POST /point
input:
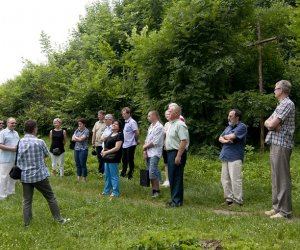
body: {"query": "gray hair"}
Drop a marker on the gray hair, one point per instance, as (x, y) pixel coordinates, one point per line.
(109, 116)
(285, 85)
(176, 107)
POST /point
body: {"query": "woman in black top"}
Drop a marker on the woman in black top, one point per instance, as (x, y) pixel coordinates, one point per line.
(57, 139)
(112, 154)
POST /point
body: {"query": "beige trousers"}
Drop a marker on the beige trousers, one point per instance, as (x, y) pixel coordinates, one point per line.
(232, 181)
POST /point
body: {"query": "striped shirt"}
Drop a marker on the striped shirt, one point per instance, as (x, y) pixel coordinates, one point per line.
(31, 159)
(155, 135)
(285, 111)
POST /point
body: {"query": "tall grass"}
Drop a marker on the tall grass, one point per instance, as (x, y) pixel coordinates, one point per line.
(137, 221)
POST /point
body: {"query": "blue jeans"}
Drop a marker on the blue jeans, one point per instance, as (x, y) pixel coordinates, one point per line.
(152, 166)
(80, 157)
(176, 177)
(111, 178)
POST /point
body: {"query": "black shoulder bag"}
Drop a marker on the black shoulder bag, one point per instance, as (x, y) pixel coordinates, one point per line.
(15, 172)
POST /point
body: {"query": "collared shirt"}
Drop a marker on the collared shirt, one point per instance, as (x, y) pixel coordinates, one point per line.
(107, 131)
(129, 133)
(285, 111)
(31, 159)
(176, 133)
(155, 135)
(234, 151)
(98, 130)
(8, 138)
(82, 145)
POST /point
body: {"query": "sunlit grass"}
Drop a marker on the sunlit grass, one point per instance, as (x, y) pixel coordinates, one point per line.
(136, 220)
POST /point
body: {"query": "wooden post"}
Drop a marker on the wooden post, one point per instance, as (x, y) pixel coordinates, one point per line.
(259, 43)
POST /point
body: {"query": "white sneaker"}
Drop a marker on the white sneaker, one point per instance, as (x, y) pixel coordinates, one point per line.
(277, 216)
(64, 221)
(166, 184)
(271, 212)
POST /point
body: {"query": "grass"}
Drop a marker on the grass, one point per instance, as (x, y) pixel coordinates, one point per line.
(137, 221)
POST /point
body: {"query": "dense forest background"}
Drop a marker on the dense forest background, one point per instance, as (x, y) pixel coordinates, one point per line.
(145, 54)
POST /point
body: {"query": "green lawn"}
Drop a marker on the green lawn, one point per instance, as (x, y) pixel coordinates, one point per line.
(137, 221)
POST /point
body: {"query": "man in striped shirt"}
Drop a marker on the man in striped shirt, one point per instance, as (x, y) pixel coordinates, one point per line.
(281, 126)
(30, 159)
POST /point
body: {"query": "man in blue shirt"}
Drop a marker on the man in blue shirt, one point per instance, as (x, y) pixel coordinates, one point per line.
(233, 139)
(30, 159)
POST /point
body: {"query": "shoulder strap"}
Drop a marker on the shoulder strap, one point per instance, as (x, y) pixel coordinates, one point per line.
(17, 153)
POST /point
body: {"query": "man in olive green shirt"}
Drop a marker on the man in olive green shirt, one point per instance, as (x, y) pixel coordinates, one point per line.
(177, 141)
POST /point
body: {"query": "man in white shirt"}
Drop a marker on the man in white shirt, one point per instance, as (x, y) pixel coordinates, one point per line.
(153, 150)
(8, 145)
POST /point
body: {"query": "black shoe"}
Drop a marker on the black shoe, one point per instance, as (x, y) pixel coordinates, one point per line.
(123, 175)
(173, 205)
(130, 177)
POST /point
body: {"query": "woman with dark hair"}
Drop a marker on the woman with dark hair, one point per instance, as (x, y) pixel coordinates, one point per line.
(112, 154)
(81, 136)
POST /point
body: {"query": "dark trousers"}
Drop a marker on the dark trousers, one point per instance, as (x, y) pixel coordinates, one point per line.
(128, 159)
(175, 173)
(45, 188)
(100, 160)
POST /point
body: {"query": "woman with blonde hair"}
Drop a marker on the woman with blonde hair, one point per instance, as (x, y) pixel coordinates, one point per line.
(58, 138)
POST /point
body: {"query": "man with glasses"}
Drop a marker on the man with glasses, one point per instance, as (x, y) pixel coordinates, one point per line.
(1, 125)
(281, 126)
(8, 145)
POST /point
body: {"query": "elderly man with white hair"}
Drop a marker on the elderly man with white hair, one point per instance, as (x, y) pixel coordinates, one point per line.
(177, 141)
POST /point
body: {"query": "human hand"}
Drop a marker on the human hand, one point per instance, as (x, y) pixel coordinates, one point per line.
(145, 156)
(177, 160)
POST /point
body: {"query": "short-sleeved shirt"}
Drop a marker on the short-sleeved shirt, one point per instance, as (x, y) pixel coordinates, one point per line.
(129, 133)
(8, 138)
(111, 143)
(106, 133)
(98, 130)
(82, 145)
(285, 111)
(234, 151)
(31, 159)
(176, 133)
(155, 135)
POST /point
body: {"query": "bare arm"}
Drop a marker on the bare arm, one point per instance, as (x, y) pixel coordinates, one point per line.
(65, 137)
(112, 150)
(78, 138)
(8, 148)
(272, 123)
(136, 136)
(223, 140)
(94, 138)
(181, 149)
(230, 137)
(50, 136)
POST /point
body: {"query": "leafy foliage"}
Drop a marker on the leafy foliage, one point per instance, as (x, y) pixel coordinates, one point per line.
(146, 54)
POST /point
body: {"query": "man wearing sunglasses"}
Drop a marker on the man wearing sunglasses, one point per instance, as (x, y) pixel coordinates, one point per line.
(8, 145)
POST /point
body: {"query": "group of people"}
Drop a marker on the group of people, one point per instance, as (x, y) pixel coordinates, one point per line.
(281, 127)
(114, 144)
